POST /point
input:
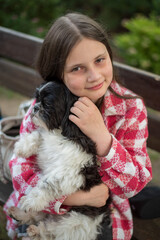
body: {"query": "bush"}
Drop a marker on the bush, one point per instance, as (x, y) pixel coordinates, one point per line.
(111, 12)
(141, 45)
(34, 16)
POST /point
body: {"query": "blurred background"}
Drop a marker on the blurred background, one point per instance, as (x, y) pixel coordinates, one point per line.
(133, 26)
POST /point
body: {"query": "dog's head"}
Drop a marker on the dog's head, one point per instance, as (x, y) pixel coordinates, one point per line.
(52, 109)
(53, 103)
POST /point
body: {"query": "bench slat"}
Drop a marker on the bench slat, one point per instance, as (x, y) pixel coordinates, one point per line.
(24, 80)
(14, 76)
(23, 48)
(141, 82)
(18, 46)
(18, 78)
(154, 131)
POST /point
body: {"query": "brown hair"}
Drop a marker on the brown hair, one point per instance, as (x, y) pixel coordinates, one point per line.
(65, 32)
(61, 38)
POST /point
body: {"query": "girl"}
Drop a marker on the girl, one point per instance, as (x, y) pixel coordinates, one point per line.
(76, 51)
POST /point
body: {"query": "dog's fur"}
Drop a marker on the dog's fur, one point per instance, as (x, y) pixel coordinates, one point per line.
(67, 159)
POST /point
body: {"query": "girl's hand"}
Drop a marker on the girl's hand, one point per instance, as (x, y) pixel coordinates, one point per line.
(96, 197)
(89, 119)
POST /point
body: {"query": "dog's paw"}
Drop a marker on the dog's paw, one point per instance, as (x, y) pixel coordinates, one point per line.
(32, 231)
(13, 212)
(32, 202)
(20, 148)
(27, 145)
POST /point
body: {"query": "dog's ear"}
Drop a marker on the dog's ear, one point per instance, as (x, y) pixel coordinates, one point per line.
(37, 91)
(57, 101)
(71, 131)
(67, 125)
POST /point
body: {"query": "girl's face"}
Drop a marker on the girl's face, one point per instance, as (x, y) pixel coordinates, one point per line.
(88, 69)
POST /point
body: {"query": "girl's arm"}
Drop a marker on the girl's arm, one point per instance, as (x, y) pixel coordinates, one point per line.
(96, 197)
(89, 119)
(125, 165)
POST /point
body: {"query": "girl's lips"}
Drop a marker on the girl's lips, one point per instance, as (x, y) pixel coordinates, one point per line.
(97, 86)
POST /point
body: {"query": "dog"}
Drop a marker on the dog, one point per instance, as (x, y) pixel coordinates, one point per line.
(67, 160)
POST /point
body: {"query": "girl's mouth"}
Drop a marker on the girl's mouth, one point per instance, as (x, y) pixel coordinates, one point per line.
(97, 86)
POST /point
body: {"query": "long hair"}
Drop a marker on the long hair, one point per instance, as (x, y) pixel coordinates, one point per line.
(61, 38)
(63, 35)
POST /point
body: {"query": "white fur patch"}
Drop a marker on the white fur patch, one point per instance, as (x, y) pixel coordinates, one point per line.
(71, 226)
(61, 161)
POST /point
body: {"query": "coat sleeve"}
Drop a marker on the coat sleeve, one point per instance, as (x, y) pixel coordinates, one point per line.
(25, 172)
(127, 167)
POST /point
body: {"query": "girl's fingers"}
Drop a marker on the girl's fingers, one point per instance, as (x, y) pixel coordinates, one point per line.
(83, 105)
(80, 105)
(86, 101)
(75, 120)
(76, 111)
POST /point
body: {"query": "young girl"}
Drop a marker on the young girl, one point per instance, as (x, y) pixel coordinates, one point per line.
(76, 51)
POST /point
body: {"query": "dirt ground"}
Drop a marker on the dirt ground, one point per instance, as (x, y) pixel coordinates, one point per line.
(9, 104)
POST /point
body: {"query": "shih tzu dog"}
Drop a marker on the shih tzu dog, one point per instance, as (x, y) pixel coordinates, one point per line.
(67, 160)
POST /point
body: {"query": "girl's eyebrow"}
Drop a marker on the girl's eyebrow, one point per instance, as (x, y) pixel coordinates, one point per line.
(81, 64)
(101, 55)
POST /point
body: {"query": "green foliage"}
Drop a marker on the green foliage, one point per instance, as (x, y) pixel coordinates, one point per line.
(141, 45)
(156, 7)
(35, 16)
(111, 12)
(31, 16)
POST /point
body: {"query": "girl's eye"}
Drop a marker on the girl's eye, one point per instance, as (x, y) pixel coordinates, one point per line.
(76, 69)
(99, 60)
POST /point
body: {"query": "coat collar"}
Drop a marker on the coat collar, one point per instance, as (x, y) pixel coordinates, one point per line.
(113, 105)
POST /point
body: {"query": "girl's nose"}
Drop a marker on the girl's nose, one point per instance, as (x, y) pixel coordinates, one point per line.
(93, 75)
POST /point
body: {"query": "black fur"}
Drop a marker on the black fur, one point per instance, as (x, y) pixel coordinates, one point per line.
(53, 101)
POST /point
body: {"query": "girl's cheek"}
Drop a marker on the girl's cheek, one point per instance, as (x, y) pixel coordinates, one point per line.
(74, 83)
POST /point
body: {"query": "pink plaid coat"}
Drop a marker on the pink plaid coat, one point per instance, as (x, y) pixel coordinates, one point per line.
(125, 170)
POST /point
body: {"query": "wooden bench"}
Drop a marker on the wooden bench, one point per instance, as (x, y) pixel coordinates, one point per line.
(17, 54)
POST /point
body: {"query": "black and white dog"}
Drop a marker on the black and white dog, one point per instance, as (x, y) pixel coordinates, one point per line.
(67, 159)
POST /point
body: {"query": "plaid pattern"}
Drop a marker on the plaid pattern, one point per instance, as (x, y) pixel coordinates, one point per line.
(126, 169)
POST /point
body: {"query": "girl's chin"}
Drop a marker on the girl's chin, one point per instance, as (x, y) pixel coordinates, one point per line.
(96, 99)
(97, 96)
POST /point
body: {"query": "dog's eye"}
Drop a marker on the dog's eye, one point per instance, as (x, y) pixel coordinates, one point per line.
(36, 107)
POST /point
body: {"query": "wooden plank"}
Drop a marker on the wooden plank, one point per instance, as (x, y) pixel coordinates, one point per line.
(141, 82)
(24, 48)
(151, 93)
(24, 80)
(18, 78)
(18, 46)
(154, 131)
